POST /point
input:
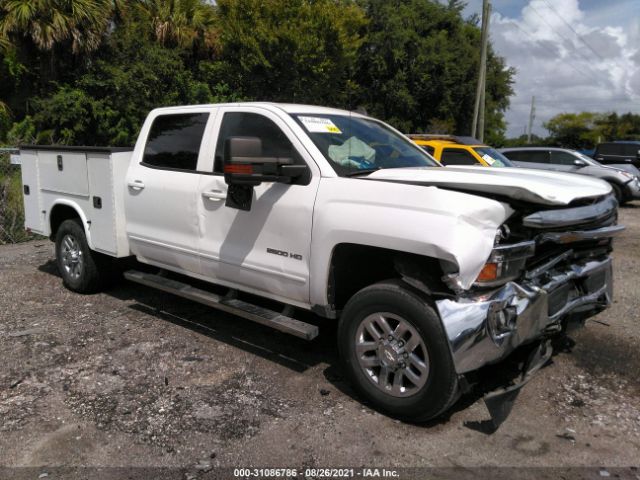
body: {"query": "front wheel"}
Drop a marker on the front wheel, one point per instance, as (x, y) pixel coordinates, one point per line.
(395, 352)
(82, 270)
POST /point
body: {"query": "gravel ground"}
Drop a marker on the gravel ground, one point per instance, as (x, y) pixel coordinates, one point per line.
(136, 378)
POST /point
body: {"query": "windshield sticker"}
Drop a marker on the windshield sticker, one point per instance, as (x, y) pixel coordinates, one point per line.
(488, 159)
(319, 125)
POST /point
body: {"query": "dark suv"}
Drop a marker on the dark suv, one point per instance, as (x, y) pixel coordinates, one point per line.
(616, 154)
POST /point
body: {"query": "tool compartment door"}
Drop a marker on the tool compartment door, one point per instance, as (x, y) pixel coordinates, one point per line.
(33, 216)
(101, 209)
(64, 172)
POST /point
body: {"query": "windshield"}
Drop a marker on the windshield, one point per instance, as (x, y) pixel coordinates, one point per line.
(493, 157)
(355, 145)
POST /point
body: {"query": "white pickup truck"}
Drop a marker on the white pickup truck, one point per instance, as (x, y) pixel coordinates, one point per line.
(432, 272)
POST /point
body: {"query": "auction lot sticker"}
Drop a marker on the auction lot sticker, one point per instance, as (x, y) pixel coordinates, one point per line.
(319, 125)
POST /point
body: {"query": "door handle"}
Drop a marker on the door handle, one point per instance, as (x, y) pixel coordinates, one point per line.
(136, 185)
(214, 195)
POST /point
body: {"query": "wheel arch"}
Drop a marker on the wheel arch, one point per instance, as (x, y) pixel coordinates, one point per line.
(356, 266)
(64, 209)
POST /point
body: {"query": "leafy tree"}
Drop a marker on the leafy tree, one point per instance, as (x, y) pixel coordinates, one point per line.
(290, 50)
(108, 104)
(88, 71)
(586, 129)
(573, 130)
(420, 62)
(536, 141)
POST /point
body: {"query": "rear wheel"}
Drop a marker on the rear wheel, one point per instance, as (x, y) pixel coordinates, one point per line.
(395, 352)
(82, 270)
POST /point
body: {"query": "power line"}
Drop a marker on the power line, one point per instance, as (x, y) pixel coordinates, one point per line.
(535, 10)
(545, 47)
(574, 31)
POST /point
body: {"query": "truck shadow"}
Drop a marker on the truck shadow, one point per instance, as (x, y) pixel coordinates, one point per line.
(285, 350)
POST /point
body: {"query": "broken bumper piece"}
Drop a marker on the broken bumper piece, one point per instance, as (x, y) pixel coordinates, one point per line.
(500, 402)
(485, 328)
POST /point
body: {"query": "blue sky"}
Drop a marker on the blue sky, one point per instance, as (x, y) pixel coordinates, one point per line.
(573, 55)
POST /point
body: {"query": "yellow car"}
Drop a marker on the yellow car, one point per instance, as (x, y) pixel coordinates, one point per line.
(454, 150)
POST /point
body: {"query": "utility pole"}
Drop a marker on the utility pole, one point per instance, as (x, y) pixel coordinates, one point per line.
(532, 116)
(477, 128)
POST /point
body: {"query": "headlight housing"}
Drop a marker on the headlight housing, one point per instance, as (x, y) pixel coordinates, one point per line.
(505, 263)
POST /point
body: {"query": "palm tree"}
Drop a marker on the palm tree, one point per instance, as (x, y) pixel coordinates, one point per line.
(48, 23)
(185, 23)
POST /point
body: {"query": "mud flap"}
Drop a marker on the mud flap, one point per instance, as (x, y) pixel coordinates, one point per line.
(500, 402)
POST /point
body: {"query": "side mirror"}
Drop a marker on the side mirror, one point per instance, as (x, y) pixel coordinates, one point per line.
(579, 163)
(638, 154)
(245, 164)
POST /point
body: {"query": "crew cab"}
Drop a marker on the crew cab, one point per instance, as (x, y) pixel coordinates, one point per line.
(431, 272)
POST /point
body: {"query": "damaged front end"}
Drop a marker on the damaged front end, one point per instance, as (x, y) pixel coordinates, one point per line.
(548, 268)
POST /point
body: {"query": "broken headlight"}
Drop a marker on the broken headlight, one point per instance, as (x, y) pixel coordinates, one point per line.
(505, 263)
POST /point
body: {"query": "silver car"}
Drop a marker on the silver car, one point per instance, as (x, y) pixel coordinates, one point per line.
(625, 184)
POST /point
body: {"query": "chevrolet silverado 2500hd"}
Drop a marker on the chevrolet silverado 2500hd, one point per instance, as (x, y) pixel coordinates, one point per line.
(432, 272)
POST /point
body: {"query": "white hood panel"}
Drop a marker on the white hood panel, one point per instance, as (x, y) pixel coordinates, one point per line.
(535, 186)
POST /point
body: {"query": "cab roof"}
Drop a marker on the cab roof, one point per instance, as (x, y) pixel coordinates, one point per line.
(286, 107)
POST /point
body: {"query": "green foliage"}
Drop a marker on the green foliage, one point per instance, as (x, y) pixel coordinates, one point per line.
(22, 132)
(89, 71)
(188, 24)
(420, 62)
(47, 23)
(108, 104)
(536, 141)
(573, 130)
(291, 50)
(586, 129)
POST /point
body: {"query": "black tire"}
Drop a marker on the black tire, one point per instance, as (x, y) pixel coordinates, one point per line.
(94, 271)
(441, 388)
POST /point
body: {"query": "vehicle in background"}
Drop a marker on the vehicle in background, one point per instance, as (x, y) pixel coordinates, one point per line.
(625, 185)
(456, 150)
(619, 154)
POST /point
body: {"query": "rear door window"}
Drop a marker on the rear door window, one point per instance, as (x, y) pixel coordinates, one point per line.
(174, 141)
(532, 156)
(457, 156)
(562, 158)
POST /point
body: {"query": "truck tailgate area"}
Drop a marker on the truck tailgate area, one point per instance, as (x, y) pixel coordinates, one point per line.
(88, 179)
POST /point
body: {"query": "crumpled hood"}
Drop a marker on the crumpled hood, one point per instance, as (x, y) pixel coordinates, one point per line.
(535, 186)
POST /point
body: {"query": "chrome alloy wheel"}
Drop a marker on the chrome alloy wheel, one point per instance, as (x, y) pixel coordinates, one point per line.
(71, 255)
(392, 354)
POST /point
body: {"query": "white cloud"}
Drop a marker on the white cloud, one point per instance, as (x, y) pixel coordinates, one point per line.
(569, 67)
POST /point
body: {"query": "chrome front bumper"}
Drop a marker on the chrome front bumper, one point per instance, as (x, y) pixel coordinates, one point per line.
(485, 328)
